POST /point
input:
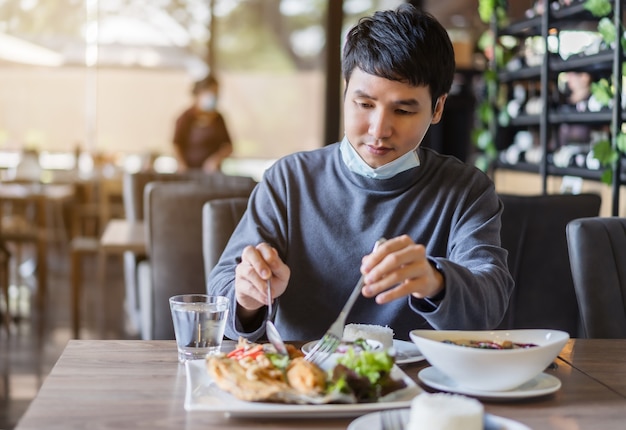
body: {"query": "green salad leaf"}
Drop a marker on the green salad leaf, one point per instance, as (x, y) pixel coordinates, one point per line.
(364, 374)
(370, 364)
(278, 360)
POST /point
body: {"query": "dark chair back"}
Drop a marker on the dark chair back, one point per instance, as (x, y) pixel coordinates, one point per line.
(533, 232)
(219, 219)
(174, 235)
(597, 251)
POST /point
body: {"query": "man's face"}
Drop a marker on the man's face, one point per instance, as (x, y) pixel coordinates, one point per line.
(385, 119)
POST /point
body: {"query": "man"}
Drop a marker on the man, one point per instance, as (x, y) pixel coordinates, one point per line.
(311, 223)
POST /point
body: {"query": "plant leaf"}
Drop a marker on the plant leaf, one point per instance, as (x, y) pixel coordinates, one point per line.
(606, 28)
(484, 140)
(601, 90)
(607, 176)
(598, 8)
(486, 9)
(620, 142)
(604, 153)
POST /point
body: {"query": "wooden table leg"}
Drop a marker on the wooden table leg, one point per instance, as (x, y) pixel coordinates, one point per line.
(42, 264)
(5, 258)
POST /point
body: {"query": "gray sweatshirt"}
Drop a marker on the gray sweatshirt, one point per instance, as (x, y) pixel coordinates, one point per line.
(322, 219)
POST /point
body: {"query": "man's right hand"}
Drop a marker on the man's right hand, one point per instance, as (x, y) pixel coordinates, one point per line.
(258, 264)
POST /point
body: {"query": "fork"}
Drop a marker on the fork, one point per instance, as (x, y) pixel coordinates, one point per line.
(332, 338)
(392, 419)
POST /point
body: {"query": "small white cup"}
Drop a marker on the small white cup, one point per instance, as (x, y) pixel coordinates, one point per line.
(199, 322)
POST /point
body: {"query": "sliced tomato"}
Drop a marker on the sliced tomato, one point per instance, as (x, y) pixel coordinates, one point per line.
(240, 353)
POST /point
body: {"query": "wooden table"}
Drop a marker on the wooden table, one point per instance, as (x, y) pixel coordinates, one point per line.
(139, 384)
(121, 235)
(601, 359)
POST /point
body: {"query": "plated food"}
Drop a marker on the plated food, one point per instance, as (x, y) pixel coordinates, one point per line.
(382, 334)
(255, 372)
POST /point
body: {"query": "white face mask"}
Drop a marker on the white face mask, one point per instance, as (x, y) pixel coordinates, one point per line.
(207, 102)
(356, 164)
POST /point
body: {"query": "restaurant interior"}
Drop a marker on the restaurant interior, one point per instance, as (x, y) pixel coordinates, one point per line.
(91, 234)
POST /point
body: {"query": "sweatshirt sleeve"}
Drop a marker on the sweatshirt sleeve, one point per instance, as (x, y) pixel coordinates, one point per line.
(263, 221)
(478, 283)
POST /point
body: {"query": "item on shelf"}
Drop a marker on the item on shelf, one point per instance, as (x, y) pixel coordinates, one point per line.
(534, 50)
(534, 155)
(514, 106)
(514, 64)
(515, 153)
(538, 9)
(566, 155)
(594, 105)
(591, 162)
(574, 134)
(534, 106)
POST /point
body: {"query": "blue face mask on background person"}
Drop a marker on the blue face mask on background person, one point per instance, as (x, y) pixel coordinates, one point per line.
(355, 163)
(207, 102)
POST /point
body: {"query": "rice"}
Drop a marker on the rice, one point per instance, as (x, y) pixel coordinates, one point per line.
(384, 335)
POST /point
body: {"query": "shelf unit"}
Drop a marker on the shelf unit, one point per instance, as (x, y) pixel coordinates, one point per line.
(607, 61)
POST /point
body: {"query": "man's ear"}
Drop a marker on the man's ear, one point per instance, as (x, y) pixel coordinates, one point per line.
(438, 111)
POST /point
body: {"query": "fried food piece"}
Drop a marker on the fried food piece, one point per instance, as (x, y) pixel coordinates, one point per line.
(234, 378)
(293, 351)
(305, 377)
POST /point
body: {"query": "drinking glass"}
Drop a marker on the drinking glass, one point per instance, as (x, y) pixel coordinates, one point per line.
(199, 322)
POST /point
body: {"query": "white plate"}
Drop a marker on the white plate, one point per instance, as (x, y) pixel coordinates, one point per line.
(406, 352)
(204, 395)
(372, 421)
(541, 385)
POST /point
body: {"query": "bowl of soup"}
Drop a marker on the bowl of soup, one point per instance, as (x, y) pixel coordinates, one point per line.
(495, 360)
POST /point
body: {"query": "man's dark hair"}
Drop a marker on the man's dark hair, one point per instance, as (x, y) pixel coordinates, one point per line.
(406, 45)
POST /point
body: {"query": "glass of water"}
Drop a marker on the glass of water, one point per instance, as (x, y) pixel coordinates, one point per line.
(199, 322)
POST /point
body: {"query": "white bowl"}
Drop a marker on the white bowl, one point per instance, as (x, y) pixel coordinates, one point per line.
(490, 369)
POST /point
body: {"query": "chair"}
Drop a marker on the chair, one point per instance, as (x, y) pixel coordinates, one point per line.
(135, 183)
(219, 219)
(97, 202)
(133, 188)
(175, 263)
(533, 232)
(24, 222)
(127, 190)
(597, 251)
(19, 228)
(5, 257)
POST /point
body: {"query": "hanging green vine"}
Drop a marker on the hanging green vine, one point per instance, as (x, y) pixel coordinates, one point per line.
(607, 154)
(491, 109)
(483, 135)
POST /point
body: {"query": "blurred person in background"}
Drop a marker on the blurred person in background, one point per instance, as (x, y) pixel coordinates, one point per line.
(201, 139)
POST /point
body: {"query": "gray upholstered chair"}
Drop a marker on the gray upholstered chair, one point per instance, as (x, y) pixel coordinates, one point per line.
(219, 219)
(174, 233)
(533, 232)
(133, 186)
(597, 251)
